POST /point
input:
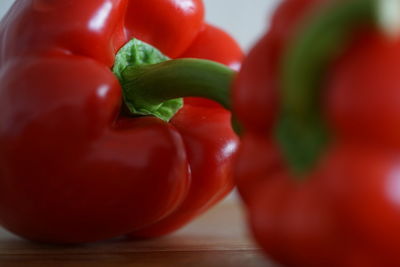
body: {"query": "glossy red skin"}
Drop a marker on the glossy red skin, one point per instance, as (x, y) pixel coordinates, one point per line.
(170, 25)
(72, 169)
(208, 163)
(346, 211)
(215, 44)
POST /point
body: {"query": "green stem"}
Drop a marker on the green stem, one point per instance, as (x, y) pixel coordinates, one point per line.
(302, 131)
(154, 84)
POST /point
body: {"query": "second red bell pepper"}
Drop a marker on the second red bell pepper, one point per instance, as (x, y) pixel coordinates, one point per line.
(318, 168)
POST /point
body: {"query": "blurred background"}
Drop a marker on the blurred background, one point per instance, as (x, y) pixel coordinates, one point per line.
(245, 20)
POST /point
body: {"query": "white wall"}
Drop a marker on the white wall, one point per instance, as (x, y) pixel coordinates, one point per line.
(244, 19)
(4, 4)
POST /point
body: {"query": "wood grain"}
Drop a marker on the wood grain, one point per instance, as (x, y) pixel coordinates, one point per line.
(218, 238)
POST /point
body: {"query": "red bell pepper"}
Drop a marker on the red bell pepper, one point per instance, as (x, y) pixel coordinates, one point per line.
(318, 167)
(77, 163)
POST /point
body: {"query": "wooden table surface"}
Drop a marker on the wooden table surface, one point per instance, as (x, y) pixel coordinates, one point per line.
(218, 238)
